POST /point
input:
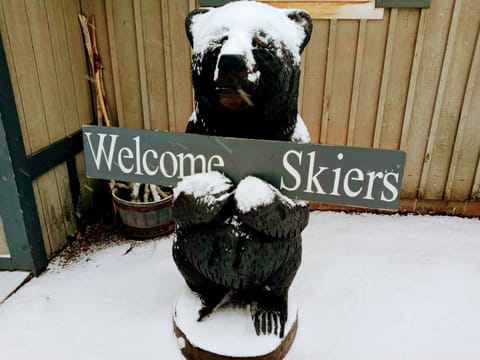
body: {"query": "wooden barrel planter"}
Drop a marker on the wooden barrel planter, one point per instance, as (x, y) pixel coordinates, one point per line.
(145, 220)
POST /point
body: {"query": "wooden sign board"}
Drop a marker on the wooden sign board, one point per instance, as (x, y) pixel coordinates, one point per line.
(354, 176)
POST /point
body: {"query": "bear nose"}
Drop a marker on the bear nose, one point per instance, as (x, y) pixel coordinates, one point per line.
(232, 63)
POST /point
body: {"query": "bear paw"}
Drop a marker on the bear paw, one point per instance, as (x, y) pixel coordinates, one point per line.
(269, 321)
(199, 198)
(264, 208)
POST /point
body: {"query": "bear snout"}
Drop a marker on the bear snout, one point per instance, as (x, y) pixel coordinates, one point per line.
(233, 81)
(232, 64)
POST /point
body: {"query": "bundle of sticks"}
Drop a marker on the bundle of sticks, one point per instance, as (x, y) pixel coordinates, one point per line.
(131, 191)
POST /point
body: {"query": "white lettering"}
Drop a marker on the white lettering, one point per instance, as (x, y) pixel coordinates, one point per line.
(390, 187)
(147, 170)
(372, 175)
(129, 155)
(181, 159)
(219, 163)
(137, 153)
(346, 182)
(291, 170)
(313, 178)
(101, 150)
(174, 164)
(336, 181)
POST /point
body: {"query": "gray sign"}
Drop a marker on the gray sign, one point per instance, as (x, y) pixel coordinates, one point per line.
(341, 175)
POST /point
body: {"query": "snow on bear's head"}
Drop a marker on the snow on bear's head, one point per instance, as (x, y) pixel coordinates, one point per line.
(235, 43)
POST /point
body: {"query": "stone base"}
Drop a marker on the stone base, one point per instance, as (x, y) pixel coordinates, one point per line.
(228, 333)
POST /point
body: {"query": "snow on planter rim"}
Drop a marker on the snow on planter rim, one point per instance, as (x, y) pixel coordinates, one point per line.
(243, 19)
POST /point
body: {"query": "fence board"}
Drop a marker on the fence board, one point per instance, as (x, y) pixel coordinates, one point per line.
(78, 63)
(342, 81)
(17, 30)
(387, 64)
(424, 189)
(447, 117)
(467, 142)
(370, 81)
(425, 92)
(315, 61)
(47, 75)
(362, 31)
(327, 92)
(399, 75)
(422, 26)
(180, 53)
(155, 64)
(62, 67)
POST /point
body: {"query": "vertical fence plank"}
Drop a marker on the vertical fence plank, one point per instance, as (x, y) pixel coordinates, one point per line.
(327, 92)
(475, 193)
(399, 75)
(439, 98)
(112, 41)
(417, 55)
(141, 63)
(21, 47)
(154, 48)
(167, 48)
(45, 68)
(448, 113)
(77, 63)
(180, 52)
(467, 140)
(370, 81)
(356, 81)
(343, 74)
(385, 77)
(315, 60)
(436, 35)
(4, 32)
(61, 62)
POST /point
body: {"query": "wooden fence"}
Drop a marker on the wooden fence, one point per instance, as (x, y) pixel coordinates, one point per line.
(409, 81)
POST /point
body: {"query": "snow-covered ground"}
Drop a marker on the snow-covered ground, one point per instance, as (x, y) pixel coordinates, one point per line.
(370, 287)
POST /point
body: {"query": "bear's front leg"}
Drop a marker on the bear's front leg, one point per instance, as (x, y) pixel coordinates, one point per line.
(270, 303)
(200, 198)
(265, 209)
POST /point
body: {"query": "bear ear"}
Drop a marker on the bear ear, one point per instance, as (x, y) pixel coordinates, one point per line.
(303, 19)
(189, 21)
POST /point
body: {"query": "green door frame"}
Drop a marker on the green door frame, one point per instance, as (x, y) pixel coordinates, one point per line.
(17, 172)
(17, 202)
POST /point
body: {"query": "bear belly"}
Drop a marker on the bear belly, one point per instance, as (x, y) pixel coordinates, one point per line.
(232, 255)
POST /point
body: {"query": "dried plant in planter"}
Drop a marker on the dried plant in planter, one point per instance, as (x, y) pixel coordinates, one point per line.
(139, 193)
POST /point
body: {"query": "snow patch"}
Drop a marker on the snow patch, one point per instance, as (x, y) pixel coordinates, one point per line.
(300, 133)
(253, 192)
(205, 185)
(229, 330)
(241, 21)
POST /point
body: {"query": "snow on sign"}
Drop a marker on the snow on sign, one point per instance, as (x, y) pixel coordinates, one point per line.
(341, 175)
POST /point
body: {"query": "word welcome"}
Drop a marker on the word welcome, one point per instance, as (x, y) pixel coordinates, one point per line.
(332, 174)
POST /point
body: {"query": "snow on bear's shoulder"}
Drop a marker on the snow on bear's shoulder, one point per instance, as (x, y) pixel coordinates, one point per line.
(300, 133)
(247, 18)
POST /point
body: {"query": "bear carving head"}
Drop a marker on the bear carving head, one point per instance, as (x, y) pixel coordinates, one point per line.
(246, 69)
